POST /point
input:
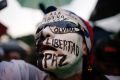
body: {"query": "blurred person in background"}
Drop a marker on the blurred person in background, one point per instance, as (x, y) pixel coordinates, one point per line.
(107, 57)
(12, 56)
(105, 19)
(64, 41)
(13, 62)
(3, 31)
(15, 50)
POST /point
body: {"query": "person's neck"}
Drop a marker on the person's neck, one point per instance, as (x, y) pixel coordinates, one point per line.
(74, 77)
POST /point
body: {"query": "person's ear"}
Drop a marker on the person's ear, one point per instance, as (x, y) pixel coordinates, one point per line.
(84, 48)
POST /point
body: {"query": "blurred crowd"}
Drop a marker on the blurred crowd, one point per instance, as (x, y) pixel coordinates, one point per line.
(105, 21)
(105, 63)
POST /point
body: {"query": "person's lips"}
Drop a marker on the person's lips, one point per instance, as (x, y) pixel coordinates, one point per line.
(47, 47)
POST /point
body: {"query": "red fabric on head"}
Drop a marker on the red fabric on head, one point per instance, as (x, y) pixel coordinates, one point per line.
(91, 33)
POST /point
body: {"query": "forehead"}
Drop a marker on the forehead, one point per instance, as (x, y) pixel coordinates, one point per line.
(62, 27)
(61, 18)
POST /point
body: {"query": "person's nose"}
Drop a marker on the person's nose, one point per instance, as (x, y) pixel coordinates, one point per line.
(46, 32)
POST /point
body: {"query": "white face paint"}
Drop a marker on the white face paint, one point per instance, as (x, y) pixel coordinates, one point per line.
(59, 41)
(68, 50)
(63, 50)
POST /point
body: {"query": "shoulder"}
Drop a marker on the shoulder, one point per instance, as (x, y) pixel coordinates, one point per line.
(36, 73)
(20, 70)
(9, 71)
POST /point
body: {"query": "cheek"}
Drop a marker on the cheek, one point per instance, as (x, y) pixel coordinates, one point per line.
(68, 51)
(73, 47)
(71, 41)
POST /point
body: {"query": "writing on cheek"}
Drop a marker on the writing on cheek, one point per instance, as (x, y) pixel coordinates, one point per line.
(65, 45)
(56, 60)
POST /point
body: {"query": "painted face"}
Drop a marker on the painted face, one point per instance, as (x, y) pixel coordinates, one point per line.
(59, 45)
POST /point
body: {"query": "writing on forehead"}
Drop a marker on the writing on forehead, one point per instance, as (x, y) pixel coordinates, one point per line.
(73, 16)
(63, 30)
(54, 16)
